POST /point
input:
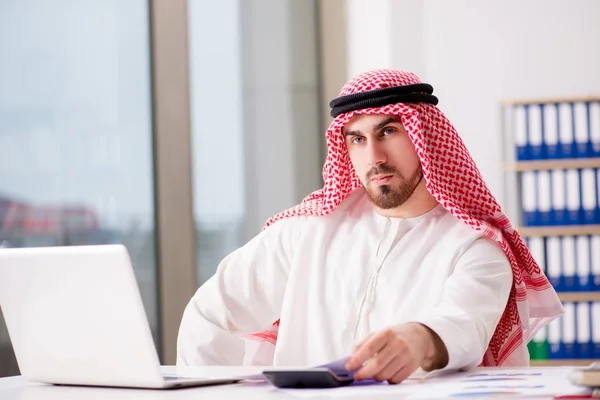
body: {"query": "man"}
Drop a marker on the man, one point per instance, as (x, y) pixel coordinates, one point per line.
(403, 260)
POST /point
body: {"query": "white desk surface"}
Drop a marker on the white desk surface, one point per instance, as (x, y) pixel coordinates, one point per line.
(17, 388)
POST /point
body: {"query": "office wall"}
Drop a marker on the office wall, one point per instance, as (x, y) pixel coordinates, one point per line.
(477, 53)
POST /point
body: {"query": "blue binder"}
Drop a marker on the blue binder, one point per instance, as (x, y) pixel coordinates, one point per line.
(584, 274)
(550, 130)
(569, 264)
(581, 128)
(589, 196)
(594, 115)
(595, 319)
(584, 344)
(597, 184)
(595, 260)
(566, 136)
(529, 198)
(544, 199)
(574, 207)
(556, 349)
(558, 213)
(534, 131)
(554, 263)
(520, 129)
(538, 251)
(568, 332)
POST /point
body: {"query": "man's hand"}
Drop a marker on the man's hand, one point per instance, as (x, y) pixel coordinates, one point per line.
(393, 354)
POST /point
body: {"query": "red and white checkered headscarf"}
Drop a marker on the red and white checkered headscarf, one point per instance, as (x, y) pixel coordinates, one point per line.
(453, 179)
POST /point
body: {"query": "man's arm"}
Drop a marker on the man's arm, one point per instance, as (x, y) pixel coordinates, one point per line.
(473, 301)
(244, 296)
(456, 332)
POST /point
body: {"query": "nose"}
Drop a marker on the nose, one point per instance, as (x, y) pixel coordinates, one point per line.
(376, 154)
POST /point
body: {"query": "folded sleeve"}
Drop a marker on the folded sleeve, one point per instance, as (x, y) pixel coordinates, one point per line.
(473, 300)
(244, 296)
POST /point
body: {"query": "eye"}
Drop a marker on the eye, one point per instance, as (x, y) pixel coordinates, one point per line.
(357, 140)
(388, 131)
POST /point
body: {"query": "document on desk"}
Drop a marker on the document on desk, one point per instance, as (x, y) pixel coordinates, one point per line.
(482, 382)
(509, 382)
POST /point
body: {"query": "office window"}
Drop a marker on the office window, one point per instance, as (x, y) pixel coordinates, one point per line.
(256, 128)
(76, 158)
(217, 130)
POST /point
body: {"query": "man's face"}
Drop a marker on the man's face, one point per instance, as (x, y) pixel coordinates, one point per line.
(384, 158)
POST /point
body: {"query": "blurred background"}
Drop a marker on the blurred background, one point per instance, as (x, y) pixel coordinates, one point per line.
(178, 127)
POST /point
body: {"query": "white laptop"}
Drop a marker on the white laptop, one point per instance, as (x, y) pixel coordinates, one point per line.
(75, 317)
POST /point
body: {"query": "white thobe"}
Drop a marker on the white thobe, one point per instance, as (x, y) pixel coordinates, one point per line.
(334, 279)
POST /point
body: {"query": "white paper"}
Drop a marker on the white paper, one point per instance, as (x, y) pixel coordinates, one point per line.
(510, 382)
(487, 382)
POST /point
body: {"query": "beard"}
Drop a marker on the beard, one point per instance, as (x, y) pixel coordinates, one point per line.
(388, 196)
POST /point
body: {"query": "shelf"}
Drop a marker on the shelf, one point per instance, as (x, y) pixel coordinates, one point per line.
(578, 296)
(520, 102)
(558, 363)
(567, 163)
(560, 230)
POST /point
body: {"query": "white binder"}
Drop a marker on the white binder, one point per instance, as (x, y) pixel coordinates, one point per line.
(589, 195)
(598, 189)
(554, 337)
(536, 140)
(554, 263)
(559, 202)
(582, 137)
(536, 247)
(521, 140)
(596, 327)
(583, 262)
(568, 329)
(595, 260)
(573, 196)
(569, 263)
(584, 331)
(595, 127)
(529, 198)
(544, 197)
(566, 138)
(550, 129)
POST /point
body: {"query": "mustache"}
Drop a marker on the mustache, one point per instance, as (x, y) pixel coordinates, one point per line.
(381, 169)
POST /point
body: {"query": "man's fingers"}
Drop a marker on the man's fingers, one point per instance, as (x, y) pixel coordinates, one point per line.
(390, 370)
(400, 356)
(375, 365)
(368, 349)
(404, 372)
